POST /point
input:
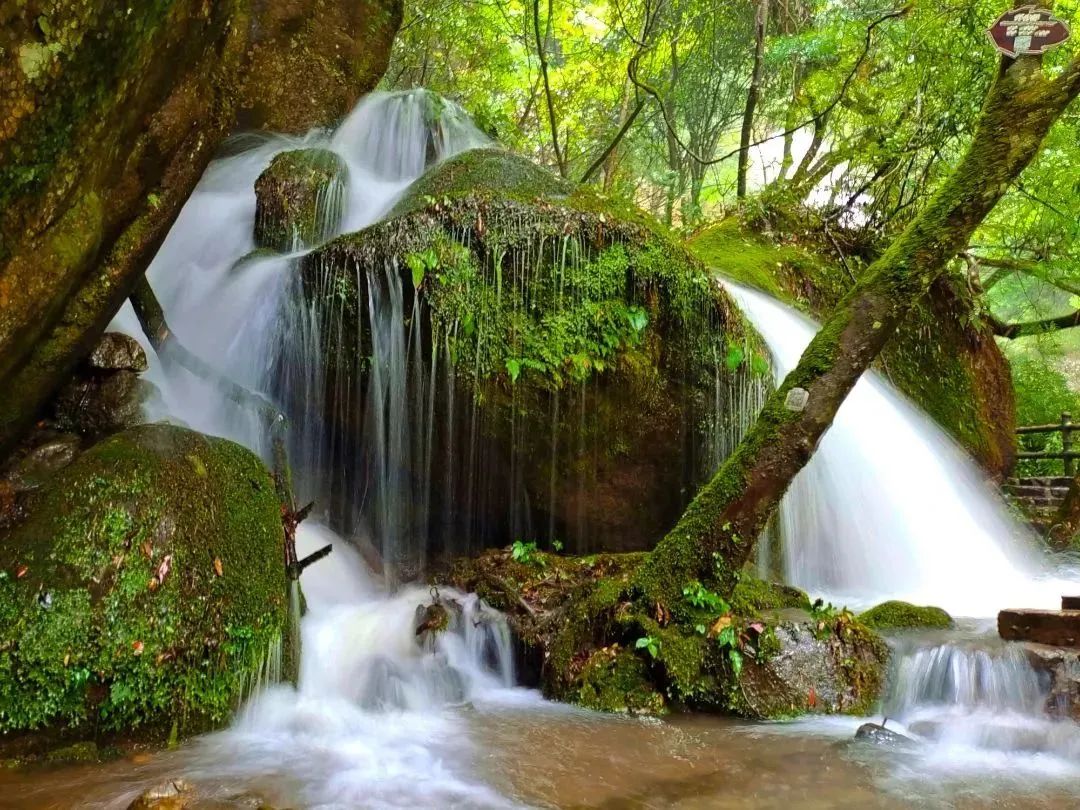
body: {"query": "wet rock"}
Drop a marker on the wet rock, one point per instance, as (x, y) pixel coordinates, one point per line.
(434, 619)
(176, 794)
(43, 461)
(825, 665)
(299, 199)
(1061, 666)
(897, 615)
(114, 613)
(118, 352)
(98, 406)
(879, 735)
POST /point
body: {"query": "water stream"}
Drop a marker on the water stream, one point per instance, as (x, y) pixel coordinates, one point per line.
(889, 507)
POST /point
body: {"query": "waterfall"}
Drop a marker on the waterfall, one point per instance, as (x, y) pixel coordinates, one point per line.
(889, 507)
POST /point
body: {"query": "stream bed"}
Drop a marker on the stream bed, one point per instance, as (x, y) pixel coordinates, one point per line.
(517, 751)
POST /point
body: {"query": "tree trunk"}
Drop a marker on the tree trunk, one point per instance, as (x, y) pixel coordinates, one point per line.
(718, 530)
(1067, 520)
(761, 20)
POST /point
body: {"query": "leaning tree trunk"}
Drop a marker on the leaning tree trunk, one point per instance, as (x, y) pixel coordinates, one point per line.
(107, 120)
(717, 533)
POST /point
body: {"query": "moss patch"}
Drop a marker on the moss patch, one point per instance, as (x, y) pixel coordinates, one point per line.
(113, 615)
(897, 615)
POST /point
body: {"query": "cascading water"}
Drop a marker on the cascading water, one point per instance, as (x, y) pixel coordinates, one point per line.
(890, 508)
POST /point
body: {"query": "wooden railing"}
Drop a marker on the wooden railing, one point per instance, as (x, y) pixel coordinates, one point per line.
(1065, 427)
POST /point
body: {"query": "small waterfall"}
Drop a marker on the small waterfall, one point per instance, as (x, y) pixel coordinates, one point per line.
(976, 698)
(890, 508)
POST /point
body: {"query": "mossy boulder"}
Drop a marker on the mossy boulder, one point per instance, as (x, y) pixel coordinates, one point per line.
(300, 199)
(586, 368)
(144, 591)
(589, 638)
(897, 615)
(945, 359)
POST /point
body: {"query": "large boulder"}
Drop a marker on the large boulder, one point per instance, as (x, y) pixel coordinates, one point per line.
(145, 591)
(543, 365)
(300, 199)
(945, 358)
(80, 216)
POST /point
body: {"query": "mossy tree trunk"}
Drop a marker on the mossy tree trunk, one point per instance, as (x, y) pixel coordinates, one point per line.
(107, 121)
(717, 533)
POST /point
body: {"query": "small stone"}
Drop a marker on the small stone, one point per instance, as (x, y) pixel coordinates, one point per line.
(879, 735)
(796, 399)
(118, 352)
(37, 466)
(99, 407)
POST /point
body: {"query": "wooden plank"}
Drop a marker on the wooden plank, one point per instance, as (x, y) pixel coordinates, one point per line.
(1058, 628)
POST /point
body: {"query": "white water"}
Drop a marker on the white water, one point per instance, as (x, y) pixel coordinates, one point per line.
(890, 508)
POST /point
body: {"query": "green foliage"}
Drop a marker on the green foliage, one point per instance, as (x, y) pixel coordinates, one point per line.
(650, 644)
(701, 597)
(525, 553)
(1042, 395)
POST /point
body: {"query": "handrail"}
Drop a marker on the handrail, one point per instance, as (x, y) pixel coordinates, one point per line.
(1065, 427)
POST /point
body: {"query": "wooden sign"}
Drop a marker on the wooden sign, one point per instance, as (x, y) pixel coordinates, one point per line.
(1027, 30)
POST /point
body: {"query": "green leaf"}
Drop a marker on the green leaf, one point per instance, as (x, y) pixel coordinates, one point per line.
(735, 357)
(418, 268)
(759, 365)
(735, 657)
(638, 318)
(513, 368)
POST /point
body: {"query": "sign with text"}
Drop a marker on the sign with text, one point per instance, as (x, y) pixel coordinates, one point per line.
(1027, 30)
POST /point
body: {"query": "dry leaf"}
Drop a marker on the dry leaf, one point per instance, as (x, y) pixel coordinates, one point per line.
(152, 584)
(67, 659)
(20, 572)
(163, 569)
(718, 626)
(217, 566)
(147, 549)
(137, 647)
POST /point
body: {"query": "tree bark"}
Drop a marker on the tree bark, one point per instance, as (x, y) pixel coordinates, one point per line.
(1067, 520)
(720, 527)
(761, 20)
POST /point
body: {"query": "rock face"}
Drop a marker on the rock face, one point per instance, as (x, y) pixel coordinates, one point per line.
(576, 363)
(145, 589)
(1062, 666)
(299, 199)
(586, 639)
(947, 360)
(165, 79)
(896, 615)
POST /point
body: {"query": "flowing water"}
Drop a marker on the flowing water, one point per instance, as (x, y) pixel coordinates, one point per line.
(888, 508)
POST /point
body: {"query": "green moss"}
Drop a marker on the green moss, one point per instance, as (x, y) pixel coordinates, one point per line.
(486, 174)
(113, 615)
(617, 680)
(896, 615)
(752, 595)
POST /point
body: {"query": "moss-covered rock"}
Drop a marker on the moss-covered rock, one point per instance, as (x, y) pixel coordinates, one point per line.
(946, 359)
(144, 591)
(300, 199)
(589, 639)
(598, 373)
(897, 615)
